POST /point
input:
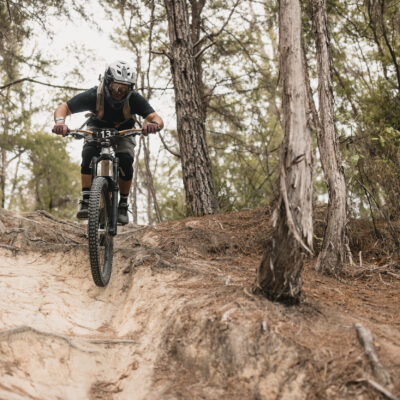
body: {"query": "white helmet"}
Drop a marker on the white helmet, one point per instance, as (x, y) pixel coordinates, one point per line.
(118, 72)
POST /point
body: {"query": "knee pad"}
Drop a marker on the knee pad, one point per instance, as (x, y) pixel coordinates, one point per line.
(88, 152)
(125, 166)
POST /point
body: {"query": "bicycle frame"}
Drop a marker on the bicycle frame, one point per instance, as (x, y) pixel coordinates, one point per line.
(103, 216)
(109, 164)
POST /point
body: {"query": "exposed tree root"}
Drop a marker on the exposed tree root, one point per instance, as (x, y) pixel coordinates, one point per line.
(7, 333)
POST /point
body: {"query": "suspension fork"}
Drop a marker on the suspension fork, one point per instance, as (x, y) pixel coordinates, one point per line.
(114, 188)
(94, 167)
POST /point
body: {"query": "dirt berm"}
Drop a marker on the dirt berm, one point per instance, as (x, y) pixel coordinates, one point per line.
(178, 319)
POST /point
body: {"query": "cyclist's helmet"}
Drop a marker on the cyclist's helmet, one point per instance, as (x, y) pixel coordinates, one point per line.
(119, 72)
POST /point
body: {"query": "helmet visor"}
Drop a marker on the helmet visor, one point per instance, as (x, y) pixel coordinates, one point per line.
(119, 90)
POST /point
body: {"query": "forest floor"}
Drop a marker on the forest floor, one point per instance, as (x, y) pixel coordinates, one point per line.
(178, 319)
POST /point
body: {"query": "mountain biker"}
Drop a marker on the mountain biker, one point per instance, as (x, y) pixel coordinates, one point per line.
(113, 104)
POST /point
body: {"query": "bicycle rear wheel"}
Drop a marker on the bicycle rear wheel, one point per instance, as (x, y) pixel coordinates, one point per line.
(100, 241)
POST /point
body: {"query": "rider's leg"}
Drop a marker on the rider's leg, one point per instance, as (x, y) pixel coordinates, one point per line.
(88, 152)
(124, 186)
(86, 180)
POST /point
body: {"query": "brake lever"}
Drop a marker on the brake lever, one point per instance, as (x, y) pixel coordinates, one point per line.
(76, 135)
(133, 134)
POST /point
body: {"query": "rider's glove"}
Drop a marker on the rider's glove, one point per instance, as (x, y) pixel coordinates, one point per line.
(60, 129)
(151, 127)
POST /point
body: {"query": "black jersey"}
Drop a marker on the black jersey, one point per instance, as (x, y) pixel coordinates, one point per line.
(86, 101)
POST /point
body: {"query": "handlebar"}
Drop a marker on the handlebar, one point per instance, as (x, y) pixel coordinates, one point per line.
(81, 133)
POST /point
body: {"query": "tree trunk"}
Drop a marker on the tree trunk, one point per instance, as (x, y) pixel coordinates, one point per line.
(150, 182)
(3, 177)
(196, 165)
(332, 255)
(279, 274)
(135, 185)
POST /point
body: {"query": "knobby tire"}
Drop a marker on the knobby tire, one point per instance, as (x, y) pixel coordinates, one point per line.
(100, 241)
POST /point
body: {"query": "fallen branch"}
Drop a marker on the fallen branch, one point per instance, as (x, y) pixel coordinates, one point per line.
(381, 279)
(379, 388)
(8, 247)
(370, 269)
(162, 263)
(367, 341)
(49, 216)
(6, 334)
(133, 231)
(56, 230)
(112, 341)
(392, 274)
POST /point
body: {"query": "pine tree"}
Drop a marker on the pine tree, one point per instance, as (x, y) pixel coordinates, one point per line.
(196, 166)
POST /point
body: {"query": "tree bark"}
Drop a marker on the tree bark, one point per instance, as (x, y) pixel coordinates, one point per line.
(279, 274)
(135, 185)
(196, 165)
(3, 177)
(150, 182)
(333, 253)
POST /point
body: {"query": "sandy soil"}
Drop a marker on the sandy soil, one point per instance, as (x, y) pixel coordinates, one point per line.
(178, 319)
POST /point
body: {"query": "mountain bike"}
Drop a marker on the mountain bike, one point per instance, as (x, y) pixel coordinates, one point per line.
(103, 201)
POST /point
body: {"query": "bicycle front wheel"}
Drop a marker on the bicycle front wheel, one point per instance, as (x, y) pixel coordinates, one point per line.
(100, 240)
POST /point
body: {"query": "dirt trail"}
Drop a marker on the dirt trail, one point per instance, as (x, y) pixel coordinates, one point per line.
(178, 319)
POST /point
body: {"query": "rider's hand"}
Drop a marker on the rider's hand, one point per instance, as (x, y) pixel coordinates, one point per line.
(60, 129)
(151, 127)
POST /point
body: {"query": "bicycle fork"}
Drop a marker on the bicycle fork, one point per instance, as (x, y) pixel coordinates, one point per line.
(114, 197)
(113, 187)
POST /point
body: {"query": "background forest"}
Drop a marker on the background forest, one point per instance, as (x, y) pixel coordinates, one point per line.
(237, 75)
(287, 111)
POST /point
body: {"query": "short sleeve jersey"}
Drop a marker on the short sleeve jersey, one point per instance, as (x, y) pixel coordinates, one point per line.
(86, 101)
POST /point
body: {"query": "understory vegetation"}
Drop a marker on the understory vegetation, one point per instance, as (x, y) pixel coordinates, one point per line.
(237, 65)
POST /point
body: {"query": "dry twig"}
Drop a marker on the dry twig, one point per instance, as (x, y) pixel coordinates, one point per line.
(8, 247)
(379, 388)
(367, 341)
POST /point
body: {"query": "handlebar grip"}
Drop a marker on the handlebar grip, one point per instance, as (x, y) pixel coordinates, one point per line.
(133, 131)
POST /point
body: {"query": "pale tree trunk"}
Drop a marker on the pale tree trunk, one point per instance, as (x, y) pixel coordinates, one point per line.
(4, 154)
(279, 274)
(135, 185)
(3, 177)
(14, 183)
(332, 255)
(147, 184)
(149, 206)
(196, 165)
(150, 182)
(143, 78)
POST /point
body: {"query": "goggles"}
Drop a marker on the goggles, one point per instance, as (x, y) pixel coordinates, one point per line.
(119, 89)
